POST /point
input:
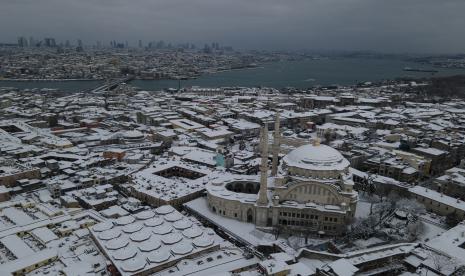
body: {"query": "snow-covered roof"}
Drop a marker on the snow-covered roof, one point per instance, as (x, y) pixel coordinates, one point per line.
(44, 234)
(438, 197)
(16, 246)
(451, 242)
(150, 182)
(316, 157)
(153, 239)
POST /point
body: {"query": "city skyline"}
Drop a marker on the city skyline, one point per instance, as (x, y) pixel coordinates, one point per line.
(35, 42)
(411, 26)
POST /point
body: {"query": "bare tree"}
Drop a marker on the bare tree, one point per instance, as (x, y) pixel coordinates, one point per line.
(416, 229)
(363, 228)
(411, 208)
(452, 219)
(368, 186)
(328, 135)
(392, 198)
(383, 190)
(442, 262)
(372, 199)
(382, 209)
(371, 222)
(276, 232)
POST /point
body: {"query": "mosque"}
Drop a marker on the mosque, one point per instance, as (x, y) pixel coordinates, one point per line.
(311, 190)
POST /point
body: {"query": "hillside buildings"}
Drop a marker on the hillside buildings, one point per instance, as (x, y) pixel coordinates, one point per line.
(360, 180)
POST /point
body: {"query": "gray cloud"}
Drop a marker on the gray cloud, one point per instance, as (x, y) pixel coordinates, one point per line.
(380, 25)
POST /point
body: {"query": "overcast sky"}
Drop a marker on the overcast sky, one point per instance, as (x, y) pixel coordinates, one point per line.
(378, 25)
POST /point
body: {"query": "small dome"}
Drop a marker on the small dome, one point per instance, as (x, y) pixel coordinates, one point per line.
(192, 232)
(133, 134)
(162, 229)
(115, 244)
(144, 215)
(202, 241)
(133, 265)
(149, 245)
(102, 226)
(165, 209)
(316, 157)
(125, 253)
(153, 222)
(173, 217)
(159, 256)
(182, 248)
(125, 220)
(141, 235)
(132, 228)
(171, 238)
(182, 224)
(109, 235)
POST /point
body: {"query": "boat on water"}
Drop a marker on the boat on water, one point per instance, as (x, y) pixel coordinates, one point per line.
(420, 70)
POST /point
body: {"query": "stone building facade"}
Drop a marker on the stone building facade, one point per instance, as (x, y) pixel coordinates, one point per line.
(310, 191)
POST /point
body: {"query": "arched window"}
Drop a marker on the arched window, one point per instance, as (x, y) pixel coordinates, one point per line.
(249, 215)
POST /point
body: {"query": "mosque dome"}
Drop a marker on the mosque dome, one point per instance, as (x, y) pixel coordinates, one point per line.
(316, 157)
(133, 135)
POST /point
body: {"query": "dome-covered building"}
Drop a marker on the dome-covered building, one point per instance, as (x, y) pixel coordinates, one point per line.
(133, 136)
(311, 190)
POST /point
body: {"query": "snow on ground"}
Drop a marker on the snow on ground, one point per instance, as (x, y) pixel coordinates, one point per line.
(245, 231)
(363, 209)
(298, 242)
(430, 231)
(361, 243)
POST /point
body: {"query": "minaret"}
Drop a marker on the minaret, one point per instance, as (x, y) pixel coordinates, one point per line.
(276, 144)
(262, 194)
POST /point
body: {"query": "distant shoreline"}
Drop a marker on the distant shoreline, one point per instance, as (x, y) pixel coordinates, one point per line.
(49, 80)
(299, 74)
(137, 77)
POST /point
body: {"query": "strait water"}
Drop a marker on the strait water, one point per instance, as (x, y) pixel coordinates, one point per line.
(67, 86)
(300, 74)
